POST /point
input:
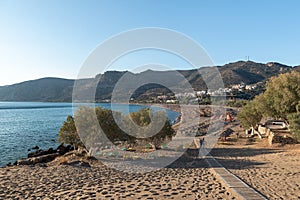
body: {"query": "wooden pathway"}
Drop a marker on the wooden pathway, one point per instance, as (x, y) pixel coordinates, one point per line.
(230, 180)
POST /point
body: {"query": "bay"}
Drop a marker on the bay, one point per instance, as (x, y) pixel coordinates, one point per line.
(24, 125)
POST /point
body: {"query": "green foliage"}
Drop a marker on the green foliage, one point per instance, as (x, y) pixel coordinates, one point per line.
(142, 117)
(68, 133)
(98, 127)
(281, 98)
(298, 107)
(294, 120)
(250, 115)
(282, 95)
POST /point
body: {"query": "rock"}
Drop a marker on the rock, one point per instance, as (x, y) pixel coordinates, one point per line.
(79, 164)
(61, 149)
(24, 162)
(42, 165)
(70, 148)
(35, 148)
(41, 153)
(34, 154)
(40, 159)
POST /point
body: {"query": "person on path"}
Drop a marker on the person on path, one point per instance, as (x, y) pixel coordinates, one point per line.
(201, 142)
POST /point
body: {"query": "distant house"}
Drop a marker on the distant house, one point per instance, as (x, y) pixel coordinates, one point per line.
(239, 86)
(250, 87)
(171, 101)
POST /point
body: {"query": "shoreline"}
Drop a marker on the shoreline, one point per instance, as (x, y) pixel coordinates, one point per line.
(272, 171)
(80, 178)
(18, 154)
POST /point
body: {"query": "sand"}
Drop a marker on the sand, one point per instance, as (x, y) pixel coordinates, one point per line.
(100, 182)
(272, 171)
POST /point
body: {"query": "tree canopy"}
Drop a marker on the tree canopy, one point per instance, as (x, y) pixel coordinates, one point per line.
(102, 129)
(282, 95)
(280, 100)
(250, 115)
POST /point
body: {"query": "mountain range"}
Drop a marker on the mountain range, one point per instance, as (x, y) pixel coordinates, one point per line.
(60, 90)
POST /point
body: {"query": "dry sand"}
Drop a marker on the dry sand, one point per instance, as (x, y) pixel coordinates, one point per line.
(274, 171)
(100, 182)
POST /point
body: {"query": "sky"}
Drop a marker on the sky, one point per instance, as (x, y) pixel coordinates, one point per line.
(53, 38)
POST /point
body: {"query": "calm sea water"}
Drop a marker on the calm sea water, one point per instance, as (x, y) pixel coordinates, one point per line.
(24, 125)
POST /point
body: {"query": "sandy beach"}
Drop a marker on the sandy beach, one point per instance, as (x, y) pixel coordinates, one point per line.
(273, 171)
(90, 179)
(96, 181)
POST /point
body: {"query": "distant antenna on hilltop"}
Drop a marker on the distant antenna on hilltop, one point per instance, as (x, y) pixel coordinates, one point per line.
(247, 58)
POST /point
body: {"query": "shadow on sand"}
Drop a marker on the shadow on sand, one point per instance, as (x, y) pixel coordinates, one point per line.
(230, 158)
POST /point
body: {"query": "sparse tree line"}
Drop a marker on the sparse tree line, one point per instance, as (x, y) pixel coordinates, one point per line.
(281, 100)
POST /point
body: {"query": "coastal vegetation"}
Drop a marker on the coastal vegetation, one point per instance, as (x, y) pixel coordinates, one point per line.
(281, 100)
(90, 133)
(68, 133)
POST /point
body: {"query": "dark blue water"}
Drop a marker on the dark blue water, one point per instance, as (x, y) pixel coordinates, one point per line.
(24, 125)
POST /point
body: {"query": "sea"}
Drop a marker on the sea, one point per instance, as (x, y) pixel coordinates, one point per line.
(24, 125)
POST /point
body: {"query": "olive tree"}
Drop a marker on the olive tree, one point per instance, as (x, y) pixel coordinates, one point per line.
(97, 126)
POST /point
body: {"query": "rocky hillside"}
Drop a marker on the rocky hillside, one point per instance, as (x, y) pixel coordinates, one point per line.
(56, 89)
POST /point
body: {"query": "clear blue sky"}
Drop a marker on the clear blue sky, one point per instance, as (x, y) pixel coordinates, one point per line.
(53, 37)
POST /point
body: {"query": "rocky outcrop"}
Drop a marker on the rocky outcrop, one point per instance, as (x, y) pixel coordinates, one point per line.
(41, 152)
(44, 156)
(39, 159)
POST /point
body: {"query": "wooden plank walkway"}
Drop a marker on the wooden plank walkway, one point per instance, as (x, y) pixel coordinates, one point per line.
(230, 180)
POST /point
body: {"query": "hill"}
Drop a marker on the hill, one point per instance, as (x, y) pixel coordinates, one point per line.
(45, 89)
(56, 89)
